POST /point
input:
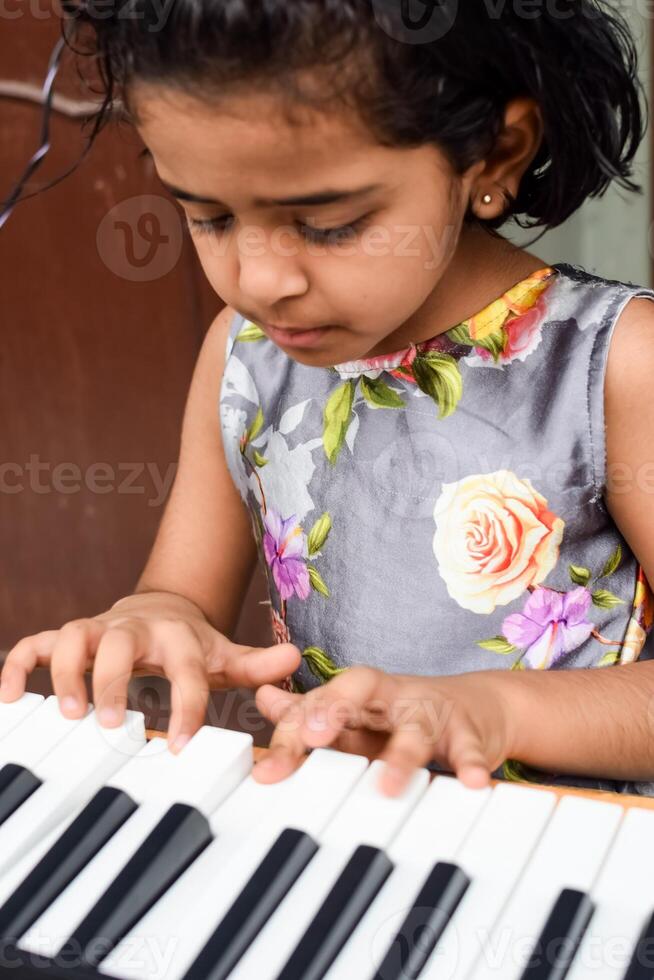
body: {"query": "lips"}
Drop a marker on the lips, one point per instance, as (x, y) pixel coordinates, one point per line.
(287, 329)
(298, 338)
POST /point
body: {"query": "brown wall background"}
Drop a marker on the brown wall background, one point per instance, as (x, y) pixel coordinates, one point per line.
(103, 308)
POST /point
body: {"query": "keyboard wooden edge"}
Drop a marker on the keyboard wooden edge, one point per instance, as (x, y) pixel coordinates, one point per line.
(623, 799)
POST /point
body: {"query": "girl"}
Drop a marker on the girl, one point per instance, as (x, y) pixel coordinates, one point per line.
(436, 443)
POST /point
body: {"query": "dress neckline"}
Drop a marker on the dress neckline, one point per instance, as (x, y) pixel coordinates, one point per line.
(481, 326)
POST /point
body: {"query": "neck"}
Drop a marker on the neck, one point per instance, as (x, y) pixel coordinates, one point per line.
(480, 271)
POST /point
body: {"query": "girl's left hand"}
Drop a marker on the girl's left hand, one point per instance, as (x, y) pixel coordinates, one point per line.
(462, 722)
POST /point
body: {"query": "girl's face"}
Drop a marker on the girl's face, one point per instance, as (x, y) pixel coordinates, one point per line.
(260, 194)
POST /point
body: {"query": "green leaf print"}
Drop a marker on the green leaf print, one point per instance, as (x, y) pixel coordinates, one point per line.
(250, 332)
(498, 644)
(255, 428)
(579, 574)
(377, 392)
(317, 582)
(461, 335)
(605, 600)
(612, 564)
(438, 375)
(337, 418)
(319, 533)
(612, 657)
(494, 343)
(320, 664)
(258, 458)
(517, 772)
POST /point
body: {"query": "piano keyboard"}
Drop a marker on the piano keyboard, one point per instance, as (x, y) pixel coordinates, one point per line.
(118, 859)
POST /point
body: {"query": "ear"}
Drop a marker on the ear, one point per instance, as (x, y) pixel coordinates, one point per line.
(515, 148)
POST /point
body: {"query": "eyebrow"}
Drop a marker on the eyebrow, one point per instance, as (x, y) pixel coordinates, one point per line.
(307, 200)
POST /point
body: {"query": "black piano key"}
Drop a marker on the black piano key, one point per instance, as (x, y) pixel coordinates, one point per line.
(339, 915)
(425, 923)
(557, 944)
(181, 834)
(641, 965)
(280, 868)
(82, 839)
(16, 784)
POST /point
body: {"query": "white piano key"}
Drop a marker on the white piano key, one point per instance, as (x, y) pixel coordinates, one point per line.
(366, 817)
(433, 832)
(205, 772)
(493, 856)
(71, 773)
(37, 735)
(13, 875)
(13, 712)
(147, 775)
(150, 943)
(143, 776)
(568, 855)
(167, 940)
(624, 898)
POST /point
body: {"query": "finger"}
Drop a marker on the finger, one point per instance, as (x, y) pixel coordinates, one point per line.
(406, 751)
(272, 702)
(278, 707)
(467, 758)
(369, 744)
(71, 655)
(242, 666)
(114, 658)
(358, 698)
(316, 719)
(30, 652)
(185, 666)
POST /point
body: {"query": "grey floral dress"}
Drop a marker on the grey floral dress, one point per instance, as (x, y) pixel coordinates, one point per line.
(441, 509)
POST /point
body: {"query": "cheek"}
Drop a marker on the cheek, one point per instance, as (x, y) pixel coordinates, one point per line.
(215, 261)
(400, 276)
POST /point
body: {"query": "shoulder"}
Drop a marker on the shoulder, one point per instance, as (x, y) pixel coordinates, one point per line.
(217, 335)
(209, 368)
(630, 362)
(629, 418)
(214, 351)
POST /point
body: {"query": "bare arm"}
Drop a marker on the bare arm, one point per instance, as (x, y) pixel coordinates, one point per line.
(602, 721)
(204, 550)
(179, 621)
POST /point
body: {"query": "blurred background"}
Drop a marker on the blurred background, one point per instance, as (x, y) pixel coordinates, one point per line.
(102, 313)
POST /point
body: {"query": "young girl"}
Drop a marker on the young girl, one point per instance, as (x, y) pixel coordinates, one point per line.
(438, 445)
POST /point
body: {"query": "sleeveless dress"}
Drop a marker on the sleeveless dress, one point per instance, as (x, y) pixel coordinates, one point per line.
(440, 510)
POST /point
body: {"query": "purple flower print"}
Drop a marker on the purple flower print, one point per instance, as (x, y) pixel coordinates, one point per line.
(283, 546)
(550, 625)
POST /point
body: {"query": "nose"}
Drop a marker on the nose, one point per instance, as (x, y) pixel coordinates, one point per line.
(270, 269)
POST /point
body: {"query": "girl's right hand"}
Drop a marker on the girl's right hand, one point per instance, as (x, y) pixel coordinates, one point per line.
(149, 633)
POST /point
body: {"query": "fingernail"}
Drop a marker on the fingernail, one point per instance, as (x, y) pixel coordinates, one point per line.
(395, 779)
(266, 765)
(179, 743)
(475, 777)
(69, 704)
(108, 717)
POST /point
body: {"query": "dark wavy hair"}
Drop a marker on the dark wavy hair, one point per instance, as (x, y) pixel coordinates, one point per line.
(442, 78)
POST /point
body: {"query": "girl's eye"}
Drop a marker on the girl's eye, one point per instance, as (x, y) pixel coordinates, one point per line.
(217, 226)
